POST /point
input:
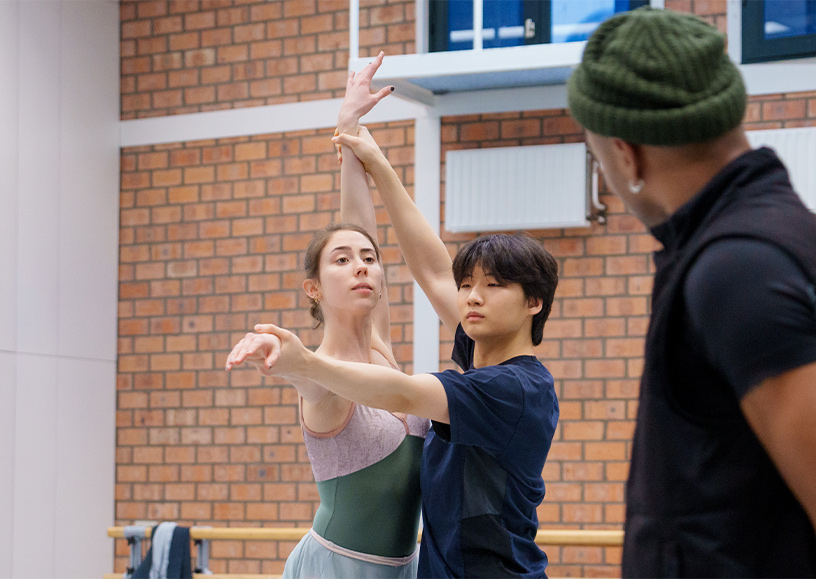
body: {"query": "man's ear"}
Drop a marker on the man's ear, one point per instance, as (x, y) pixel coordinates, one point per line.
(311, 287)
(630, 157)
(534, 305)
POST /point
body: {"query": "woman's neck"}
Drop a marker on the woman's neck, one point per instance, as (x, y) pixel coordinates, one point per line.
(348, 339)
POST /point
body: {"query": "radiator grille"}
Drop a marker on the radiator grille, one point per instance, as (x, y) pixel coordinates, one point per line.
(510, 188)
(797, 149)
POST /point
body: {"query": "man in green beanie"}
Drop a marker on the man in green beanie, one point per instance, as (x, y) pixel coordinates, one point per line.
(723, 473)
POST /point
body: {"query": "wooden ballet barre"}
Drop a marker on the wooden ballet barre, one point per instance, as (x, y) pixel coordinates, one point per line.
(552, 537)
(230, 533)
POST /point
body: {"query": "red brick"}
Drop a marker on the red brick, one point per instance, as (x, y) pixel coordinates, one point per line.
(784, 110)
(216, 37)
(213, 454)
(196, 473)
(230, 473)
(299, 84)
(245, 189)
(294, 8)
(335, 80)
(151, 45)
(138, 29)
(709, 7)
(265, 11)
(561, 126)
(200, 20)
(199, 95)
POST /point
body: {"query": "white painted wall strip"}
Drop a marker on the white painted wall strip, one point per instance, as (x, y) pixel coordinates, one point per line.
(779, 77)
(421, 10)
(478, 14)
(427, 139)
(254, 121)
(323, 114)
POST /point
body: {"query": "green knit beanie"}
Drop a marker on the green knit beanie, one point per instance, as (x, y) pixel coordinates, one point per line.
(656, 77)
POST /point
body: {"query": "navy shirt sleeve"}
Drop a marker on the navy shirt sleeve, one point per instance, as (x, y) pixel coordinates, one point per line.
(753, 309)
(485, 406)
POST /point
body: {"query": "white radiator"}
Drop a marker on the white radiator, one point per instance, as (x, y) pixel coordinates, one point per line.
(510, 188)
(797, 149)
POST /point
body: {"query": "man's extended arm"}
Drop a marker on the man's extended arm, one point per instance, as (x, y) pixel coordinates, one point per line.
(780, 411)
(369, 384)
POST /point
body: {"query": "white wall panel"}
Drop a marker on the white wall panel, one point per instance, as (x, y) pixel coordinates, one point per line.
(59, 192)
(8, 386)
(39, 179)
(35, 467)
(89, 181)
(9, 88)
(85, 425)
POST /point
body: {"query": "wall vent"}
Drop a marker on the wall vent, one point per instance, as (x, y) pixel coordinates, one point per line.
(797, 149)
(511, 188)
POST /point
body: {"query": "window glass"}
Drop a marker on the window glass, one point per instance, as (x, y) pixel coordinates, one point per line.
(790, 18)
(518, 22)
(502, 23)
(573, 21)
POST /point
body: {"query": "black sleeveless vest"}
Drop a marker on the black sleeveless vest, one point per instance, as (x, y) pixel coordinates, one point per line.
(703, 498)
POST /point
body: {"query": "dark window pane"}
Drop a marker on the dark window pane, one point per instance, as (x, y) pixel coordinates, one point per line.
(778, 30)
(502, 24)
(790, 18)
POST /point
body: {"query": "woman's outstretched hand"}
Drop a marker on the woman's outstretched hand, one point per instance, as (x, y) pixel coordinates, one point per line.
(273, 351)
(359, 99)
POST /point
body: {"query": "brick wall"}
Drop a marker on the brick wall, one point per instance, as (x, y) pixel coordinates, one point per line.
(186, 56)
(211, 241)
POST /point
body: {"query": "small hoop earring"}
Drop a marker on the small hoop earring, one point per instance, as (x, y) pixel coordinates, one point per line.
(635, 188)
(316, 300)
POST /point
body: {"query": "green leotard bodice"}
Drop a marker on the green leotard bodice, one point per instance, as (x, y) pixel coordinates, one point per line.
(375, 510)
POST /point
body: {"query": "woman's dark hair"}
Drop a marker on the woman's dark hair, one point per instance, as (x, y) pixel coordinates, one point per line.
(513, 259)
(315, 249)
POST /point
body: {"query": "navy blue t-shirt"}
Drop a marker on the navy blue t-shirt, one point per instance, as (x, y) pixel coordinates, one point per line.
(481, 475)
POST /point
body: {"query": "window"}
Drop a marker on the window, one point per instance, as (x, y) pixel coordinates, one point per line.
(778, 30)
(519, 22)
